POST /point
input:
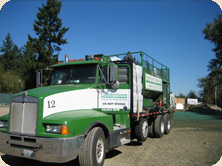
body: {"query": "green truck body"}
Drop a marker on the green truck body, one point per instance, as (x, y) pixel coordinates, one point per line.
(91, 106)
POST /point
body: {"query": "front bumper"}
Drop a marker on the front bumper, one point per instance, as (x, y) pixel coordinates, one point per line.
(57, 150)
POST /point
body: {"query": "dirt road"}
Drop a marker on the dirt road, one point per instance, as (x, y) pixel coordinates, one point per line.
(195, 139)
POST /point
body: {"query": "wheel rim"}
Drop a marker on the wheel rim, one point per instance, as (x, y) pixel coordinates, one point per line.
(145, 129)
(168, 125)
(99, 150)
(162, 127)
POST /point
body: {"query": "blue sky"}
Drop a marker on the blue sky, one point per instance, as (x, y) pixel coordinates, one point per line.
(169, 31)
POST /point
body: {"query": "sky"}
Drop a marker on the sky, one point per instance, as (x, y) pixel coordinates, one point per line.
(170, 31)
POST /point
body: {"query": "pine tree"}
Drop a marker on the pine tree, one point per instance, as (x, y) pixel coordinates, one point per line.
(10, 54)
(206, 84)
(213, 32)
(2, 71)
(29, 65)
(49, 31)
(192, 94)
(9, 66)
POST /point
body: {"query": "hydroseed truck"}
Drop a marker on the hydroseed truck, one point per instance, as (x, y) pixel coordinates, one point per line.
(91, 106)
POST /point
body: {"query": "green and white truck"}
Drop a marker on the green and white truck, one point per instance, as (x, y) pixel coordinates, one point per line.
(92, 106)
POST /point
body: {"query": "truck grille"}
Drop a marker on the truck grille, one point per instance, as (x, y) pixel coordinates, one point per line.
(23, 119)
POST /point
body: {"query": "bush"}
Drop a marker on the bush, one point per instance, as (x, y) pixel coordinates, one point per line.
(10, 82)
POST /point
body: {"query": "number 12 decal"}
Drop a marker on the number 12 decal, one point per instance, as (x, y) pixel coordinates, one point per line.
(51, 104)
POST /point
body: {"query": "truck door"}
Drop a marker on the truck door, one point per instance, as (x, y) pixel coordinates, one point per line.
(116, 102)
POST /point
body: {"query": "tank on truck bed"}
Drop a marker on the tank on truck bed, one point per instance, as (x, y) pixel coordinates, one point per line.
(151, 82)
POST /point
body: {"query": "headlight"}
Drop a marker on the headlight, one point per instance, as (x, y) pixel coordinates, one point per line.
(53, 129)
(3, 123)
(58, 129)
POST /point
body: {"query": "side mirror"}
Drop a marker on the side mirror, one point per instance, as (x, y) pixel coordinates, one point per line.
(115, 85)
(113, 77)
(110, 75)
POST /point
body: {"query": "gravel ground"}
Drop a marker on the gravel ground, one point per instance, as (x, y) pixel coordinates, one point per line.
(195, 139)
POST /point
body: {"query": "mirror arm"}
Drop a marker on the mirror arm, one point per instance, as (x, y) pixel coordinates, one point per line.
(102, 75)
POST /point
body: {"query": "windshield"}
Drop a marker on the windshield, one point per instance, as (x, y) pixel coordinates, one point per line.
(74, 74)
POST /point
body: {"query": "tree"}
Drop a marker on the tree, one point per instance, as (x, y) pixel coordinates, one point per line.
(206, 84)
(211, 85)
(49, 31)
(192, 95)
(181, 95)
(29, 65)
(2, 71)
(9, 82)
(213, 32)
(10, 54)
(9, 66)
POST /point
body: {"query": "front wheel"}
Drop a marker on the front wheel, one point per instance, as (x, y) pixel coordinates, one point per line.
(141, 130)
(93, 150)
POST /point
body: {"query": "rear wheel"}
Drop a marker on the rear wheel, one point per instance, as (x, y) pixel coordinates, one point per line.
(151, 129)
(93, 150)
(167, 123)
(159, 126)
(141, 130)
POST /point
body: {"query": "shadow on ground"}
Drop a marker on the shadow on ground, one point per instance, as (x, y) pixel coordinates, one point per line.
(134, 143)
(112, 153)
(17, 161)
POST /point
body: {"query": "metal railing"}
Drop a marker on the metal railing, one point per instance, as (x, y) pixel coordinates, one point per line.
(150, 65)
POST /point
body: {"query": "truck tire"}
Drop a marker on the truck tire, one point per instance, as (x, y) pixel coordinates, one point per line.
(93, 150)
(159, 126)
(141, 130)
(151, 128)
(167, 123)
